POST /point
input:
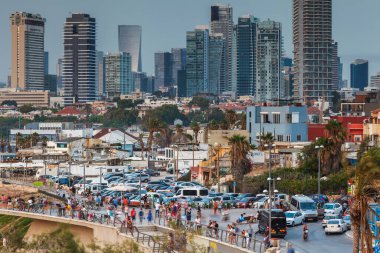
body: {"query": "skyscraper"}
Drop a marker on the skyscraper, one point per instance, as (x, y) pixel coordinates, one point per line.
(100, 87)
(222, 23)
(163, 69)
(359, 74)
(178, 62)
(46, 63)
(79, 61)
(118, 74)
(216, 66)
(140, 81)
(27, 71)
(375, 80)
(246, 55)
(59, 73)
(130, 42)
(335, 65)
(312, 40)
(269, 86)
(197, 44)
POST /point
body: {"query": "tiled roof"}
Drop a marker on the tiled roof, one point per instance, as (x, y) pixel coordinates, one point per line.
(69, 110)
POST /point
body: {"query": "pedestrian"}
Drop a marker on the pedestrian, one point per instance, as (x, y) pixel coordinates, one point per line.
(199, 210)
(150, 217)
(157, 209)
(133, 214)
(188, 215)
(291, 249)
(141, 216)
(215, 206)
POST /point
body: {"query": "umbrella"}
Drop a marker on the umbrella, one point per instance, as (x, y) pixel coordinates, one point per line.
(122, 188)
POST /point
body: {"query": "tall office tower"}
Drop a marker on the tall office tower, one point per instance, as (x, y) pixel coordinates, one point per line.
(288, 82)
(216, 66)
(118, 74)
(178, 62)
(27, 71)
(59, 73)
(246, 55)
(197, 61)
(340, 74)
(181, 88)
(269, 86)
(99, 77)
(140, 81)
(150, 84)
(222, 22)
(312, 40)
(375, 81)
(79, 60)
(359, 74)
(46, 63)
(163, 69)
(130, 42)
(335, 65)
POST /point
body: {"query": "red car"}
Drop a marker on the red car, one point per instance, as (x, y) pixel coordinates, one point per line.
(246, 202)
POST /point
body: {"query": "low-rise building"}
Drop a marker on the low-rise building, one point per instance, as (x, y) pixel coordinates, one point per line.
(37, 98)
(371, 128)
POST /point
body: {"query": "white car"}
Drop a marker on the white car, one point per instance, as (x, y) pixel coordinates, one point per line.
(333, 208)
(259, 204)
(328, 217)
(294, 218)
(336, 226)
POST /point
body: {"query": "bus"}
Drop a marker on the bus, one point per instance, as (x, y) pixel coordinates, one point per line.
(373, 217)
(278, 222)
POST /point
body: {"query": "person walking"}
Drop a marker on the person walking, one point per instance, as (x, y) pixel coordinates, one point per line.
(141, 216)
(150, 217)
(133, 214)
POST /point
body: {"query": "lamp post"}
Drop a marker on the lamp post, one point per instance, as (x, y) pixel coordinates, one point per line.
(319, 148)
(269, 179)
(69, 183)
(274, 183)
(217, 147)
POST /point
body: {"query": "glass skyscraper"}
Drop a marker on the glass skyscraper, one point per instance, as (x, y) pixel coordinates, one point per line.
(130, 42)
(163, 69)
(216, 66)
(79, 61)
(359, 74)
(178, 62)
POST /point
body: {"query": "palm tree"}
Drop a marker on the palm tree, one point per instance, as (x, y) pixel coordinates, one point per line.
(231, 118)
(266, 139)
(165, 135)
(240, 164)
(333, 151)
(213, 125)
(243, 121)
(196, 128)
(142, 145)
(153, 126)
(44, 140)
(34, 138)
(366, 174)
(180, 136)
(19, 141)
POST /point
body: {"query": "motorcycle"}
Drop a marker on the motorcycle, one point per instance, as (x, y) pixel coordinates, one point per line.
(305, 234)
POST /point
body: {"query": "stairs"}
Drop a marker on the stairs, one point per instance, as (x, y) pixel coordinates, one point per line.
(151, 237)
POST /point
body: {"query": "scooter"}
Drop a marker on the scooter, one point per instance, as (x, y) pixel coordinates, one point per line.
(305, 234)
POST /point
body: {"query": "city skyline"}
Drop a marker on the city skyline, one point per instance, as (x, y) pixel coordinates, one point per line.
(154, 38)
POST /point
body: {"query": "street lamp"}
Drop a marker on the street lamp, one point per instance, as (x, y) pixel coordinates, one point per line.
(217, 147)
(269, 179)
(176, 160)
(274, 184)
(319, 148)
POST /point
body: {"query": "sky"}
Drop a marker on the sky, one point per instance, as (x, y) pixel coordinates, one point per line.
(356, 25)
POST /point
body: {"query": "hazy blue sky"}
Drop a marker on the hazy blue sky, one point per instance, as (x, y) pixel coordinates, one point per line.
(356, 25)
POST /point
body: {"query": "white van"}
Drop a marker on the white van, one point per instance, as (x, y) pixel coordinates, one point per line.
(192, 192)
(306, 205)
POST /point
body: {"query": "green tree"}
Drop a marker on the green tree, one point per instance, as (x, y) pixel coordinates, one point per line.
(203, 103)
(231, 118)
(9, 103)
(196, 128)
(332, 153)
(167, 114)
(26, 108)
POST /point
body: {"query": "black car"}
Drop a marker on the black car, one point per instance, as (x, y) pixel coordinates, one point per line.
(152, 173)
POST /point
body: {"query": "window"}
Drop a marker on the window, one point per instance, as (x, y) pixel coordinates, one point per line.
(298, 137)
(288, 118)
(189, 192)
(203, 192)
(288, 138)
(264, 118)
(295, 117)
(276, 118)
(250, 114)
(280, 137)
(250, 127)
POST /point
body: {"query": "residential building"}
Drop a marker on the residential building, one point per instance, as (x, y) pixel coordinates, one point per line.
(371, 128)
(79, 61)
(312, 40)
(115, 137)
(288, 82)
(340, 74)
(222, 22)
(197, 45)
(38, 98)
(269, 88)
(335, 65)
(118, 74)
(28, 65)
(140, 81)
(163, 69)
(216, 66)
(375, 80)
(181, 85)
(51, 83)
(353, 126)
(46, 63)
(100, 72)
(150, 84)
(359, 74)
(246, 55)
(59, 73)
(363, 103)
(285, 123)
(130, 42)
(151, 102)
(178, 62)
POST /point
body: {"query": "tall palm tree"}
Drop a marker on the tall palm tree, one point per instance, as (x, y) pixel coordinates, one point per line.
(231, 118)
(180, 136)
(266, 139)
(196, 128)
(213, 125)
(243, 121)
(240, 164)
(34, 138)
(153, 126)
(44, 140)
(366, 174)
(142, 145)
(333, 151)
(19, 141)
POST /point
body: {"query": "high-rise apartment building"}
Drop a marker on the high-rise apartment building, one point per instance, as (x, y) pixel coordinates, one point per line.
(269, 86)
(163, 69)
(340, 73)
(197, 45)
(222, 23)
(79, 61)
(216, 66)
(130, 42)
(140, 81)
(375, 81)
(59, 73)
(312, 40)
(100, 87)
(46, 63)
(27, 69)
(335, 65)
(359, 74)
(246, 55)
(118, 74)
(178, 62)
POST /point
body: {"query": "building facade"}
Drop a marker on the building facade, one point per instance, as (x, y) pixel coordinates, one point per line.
(28, 58)
(38, 98)
(335, 65)
(222, 22)
(79, 62)
(163, 69)
(269, 86)
(118, 74)
(359, 74)
(285, 123)
(197, 44)
(216, 66)
(312, 40)
(375, 81)
(100, 71)
(246, 56)
(130, 42)
(178, 62)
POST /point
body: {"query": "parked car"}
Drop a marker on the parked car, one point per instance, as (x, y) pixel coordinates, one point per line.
(260, 202)
(329, 217)
(152, 173)
(347, 220)
(336, 226)
(245, 202)
(294, 218)
(333, 208)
